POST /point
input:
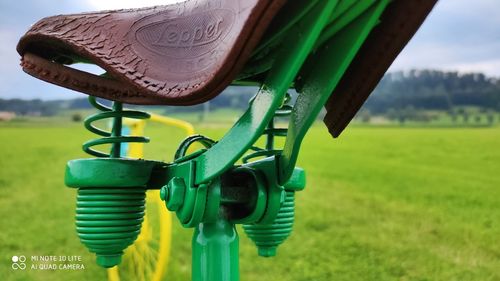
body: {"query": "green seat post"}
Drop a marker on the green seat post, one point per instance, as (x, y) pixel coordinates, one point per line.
(215, 252)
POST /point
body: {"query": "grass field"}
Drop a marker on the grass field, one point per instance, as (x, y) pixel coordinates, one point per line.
(380, 204)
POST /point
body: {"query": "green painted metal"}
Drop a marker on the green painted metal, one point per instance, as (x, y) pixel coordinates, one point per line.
(114, 137)
(271, 132)
(109, 172)
(267, 237)
(193, 205)
(250, 126)
(297, 181)
(320, 75)
(264, 55)
(173, 194)
(111, 191)
(275, 192)
(342, 7)
(215, 240)
(215, 252)
(289, 16)
(245, 189)
(108, 220)
(185, 144)
(310, 49)
(341, 20)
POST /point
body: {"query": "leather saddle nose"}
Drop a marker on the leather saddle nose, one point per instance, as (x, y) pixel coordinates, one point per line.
(178, 54)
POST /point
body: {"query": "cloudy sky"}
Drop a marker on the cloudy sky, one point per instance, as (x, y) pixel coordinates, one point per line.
(460, 35)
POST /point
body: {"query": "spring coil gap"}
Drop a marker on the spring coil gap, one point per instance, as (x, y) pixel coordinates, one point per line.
(114, 136)
(267, 237)
(271, 132)
(109, 219)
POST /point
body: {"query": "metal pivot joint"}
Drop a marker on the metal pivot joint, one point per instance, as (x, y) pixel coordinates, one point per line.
(209, 190)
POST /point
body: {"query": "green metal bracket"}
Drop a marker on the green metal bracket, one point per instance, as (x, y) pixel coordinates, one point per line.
(264, 55)
(250, 126)
(111, 191)
(320, 75)
(109, 172)
(340, 20)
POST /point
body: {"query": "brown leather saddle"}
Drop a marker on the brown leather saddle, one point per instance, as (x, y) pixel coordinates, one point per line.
(187, 53)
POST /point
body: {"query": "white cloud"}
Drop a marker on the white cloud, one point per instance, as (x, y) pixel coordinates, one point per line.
(491, 67)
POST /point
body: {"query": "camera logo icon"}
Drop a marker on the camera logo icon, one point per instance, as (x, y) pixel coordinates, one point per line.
(18, 262)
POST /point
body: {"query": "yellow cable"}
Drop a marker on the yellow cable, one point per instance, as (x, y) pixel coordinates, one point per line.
(136, 150)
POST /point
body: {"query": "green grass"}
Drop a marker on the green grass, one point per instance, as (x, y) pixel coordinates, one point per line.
(380, 204)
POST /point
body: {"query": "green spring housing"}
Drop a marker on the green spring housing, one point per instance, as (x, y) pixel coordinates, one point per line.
(267, 237)
(108, 220)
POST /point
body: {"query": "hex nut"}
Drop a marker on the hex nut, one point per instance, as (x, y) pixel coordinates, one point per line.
(174, 195)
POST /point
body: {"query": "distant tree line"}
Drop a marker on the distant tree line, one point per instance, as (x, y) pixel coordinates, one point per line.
(232, 97)
(398, 95)
(35, 107)
(434, 90)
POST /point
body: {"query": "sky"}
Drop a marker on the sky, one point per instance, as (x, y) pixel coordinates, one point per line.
(458, 35)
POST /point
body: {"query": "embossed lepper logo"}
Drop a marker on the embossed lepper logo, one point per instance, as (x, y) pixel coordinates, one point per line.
(185, 37)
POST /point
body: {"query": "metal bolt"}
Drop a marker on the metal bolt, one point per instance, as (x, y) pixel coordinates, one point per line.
(173, 194)
(163, 193)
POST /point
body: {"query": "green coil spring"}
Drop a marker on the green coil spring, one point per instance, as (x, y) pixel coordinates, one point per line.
(267, 237)
(271, 132)
(114, 136)
(108, 220)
